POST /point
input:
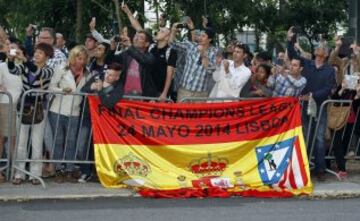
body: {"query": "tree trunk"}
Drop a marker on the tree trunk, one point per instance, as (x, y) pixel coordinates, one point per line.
(156, 3)
(117, 13)
(257, 39)
(79, 10)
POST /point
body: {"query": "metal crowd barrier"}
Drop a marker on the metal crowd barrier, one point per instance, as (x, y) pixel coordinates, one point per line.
(78, 155)
(5, 153)
(352, 139)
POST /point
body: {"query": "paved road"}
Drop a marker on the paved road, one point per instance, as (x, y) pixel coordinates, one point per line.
(136, 209)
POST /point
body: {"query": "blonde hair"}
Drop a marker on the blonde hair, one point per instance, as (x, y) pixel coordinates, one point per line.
(75, 52)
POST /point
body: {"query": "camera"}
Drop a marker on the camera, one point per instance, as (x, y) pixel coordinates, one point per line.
(345, 50)
(296, 30)
(279, 62)
(180, 26)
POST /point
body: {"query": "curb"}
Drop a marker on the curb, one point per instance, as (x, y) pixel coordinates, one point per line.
(335, 194)
(66, 197)
(316, 195)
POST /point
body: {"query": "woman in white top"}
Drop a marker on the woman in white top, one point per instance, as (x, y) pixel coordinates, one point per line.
(64, 114)
(230, 76)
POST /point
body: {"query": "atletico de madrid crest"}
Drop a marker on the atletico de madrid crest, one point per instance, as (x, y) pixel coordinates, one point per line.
(281, 164)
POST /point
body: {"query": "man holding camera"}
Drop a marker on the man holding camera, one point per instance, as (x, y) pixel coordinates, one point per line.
(320, 78)
(48, 36)
(199, 61)
(285, 84)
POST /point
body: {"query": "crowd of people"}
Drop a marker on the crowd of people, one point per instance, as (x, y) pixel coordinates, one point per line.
(166, 68)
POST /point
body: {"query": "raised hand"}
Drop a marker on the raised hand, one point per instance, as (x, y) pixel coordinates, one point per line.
(92, 24)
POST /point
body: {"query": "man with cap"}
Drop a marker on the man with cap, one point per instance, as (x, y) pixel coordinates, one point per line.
(199, 62)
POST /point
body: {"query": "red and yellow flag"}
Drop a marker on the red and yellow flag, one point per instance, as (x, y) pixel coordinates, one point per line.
(248, 148)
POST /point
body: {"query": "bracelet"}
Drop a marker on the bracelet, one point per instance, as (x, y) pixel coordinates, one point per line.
(193, 29)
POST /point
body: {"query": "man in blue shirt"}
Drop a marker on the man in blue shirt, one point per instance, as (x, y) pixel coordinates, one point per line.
(320, 78)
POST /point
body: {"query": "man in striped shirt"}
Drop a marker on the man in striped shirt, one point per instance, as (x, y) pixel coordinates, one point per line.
(199, 62)
(290, 84)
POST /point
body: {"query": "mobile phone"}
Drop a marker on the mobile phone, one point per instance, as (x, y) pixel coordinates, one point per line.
(135, 14)
(13, 52)
(180, 26)
(296, 30)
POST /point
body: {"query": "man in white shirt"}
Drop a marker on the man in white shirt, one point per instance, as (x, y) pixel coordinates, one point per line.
(230, 75)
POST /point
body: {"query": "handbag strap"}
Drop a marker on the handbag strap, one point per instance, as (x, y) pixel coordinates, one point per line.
(41, 88)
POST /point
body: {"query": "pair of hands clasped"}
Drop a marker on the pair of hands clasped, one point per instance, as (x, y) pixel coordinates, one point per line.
(225, 62)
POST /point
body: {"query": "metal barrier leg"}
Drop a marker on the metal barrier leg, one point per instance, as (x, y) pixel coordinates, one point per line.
(7, 110)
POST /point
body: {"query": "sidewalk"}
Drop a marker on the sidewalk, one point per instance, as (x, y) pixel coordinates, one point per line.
(331, 188)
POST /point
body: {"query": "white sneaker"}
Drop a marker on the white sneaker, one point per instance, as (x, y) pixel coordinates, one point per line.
(351, 154)
(84, 178)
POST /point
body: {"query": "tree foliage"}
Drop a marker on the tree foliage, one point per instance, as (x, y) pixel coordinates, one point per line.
(273, 17)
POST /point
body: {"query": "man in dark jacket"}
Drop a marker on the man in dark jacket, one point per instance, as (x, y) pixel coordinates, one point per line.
(137, 63)
(110, 92)
(320, 78)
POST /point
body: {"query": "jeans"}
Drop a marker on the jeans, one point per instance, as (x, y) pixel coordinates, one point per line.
(64, 130)
(341, 144)
(319, 147)
(86, 149)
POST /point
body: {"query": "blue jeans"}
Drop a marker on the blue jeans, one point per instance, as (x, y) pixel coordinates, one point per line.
(64, 130)
(319, 147)
(86, 150)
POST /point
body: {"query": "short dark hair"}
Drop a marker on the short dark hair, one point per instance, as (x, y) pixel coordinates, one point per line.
(210, 32)
(46, 48)
(148, 36)
(115, 66)
(14, 40)
(264, 55)
(301, 61)
(242, 47)
(267, 69)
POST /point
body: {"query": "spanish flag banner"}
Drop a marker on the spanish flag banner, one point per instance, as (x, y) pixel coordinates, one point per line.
(247, 148)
